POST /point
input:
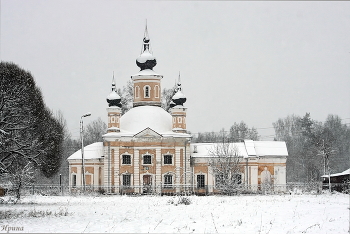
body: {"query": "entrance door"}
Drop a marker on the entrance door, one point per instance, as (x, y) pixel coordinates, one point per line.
(147, 184)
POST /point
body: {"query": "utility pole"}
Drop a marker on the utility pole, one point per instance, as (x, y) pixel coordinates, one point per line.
(82, 148)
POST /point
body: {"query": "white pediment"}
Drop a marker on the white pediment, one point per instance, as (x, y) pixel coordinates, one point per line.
(148, 133)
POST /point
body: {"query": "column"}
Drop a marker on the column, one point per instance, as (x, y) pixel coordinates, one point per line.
(158, 170)
(79, 177)
(253, 177)
(116, 169)
(96, 175)
(177, 168)
(107, 168)
(137, 171)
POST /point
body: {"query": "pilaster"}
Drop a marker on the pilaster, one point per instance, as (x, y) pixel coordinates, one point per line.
(137, 170)
(158, 169)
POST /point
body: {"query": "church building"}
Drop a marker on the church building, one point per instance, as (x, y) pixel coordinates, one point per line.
(149, 150)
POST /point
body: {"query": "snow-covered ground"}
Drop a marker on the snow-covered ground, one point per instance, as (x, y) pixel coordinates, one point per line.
(326, 213)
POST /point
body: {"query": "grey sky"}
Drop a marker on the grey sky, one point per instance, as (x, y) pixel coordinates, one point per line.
(251, 61)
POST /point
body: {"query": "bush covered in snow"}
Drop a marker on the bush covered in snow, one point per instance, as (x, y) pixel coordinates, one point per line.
(178, 200)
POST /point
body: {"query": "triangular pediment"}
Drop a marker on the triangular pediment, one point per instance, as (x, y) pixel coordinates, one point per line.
(148, 133)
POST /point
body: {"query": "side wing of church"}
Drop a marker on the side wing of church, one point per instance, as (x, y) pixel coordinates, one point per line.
(148, 150)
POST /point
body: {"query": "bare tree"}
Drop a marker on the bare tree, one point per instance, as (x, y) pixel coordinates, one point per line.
(127, 96)
(93, 131)
(224, 163)
(167, 95)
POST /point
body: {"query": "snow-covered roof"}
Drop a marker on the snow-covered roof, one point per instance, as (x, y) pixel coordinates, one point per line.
(245, 149)
(346, 172)
(146, 55)
(141, 117)
(270, 148)
(146, 72)
(204, 149)
(249, 144)
(179, 95)
(93, 151)
(113, 95)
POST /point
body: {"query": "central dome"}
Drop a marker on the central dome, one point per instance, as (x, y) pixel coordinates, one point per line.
(142, 117)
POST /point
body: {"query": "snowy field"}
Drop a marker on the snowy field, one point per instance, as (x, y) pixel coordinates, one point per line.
(326, 213)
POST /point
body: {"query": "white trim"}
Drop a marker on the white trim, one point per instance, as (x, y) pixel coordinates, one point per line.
(131, 178)
(156, 91)
(152, 159)
(121, 158)
(152, 178)
(173, 175)
(172, 159)
(205, 179)
(71, 179)
(137, 91)
(91, 176)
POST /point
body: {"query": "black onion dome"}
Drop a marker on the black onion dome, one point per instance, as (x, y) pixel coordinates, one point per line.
(146, 60)
(172, 104)
(148, 64)
(113, 98)
(179, 98)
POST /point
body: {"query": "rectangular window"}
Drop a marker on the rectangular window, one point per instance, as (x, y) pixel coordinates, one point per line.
(74, 180)
(126, 180)
(168, 181)
(168, 159)
(126, 159)
(200, 181)
(147, 159)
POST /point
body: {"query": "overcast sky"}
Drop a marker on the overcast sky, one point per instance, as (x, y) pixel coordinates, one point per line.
(250, 61)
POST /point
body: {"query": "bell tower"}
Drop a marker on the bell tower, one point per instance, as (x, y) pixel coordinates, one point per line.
(114, 110)
(178, 111)
(147, 89)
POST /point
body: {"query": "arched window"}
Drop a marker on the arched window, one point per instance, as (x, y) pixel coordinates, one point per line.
(156, 91)
(147, 90)
(137, 91)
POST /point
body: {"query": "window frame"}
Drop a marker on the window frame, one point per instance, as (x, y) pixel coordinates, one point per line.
(137, 91)
(167, 156)
(168, 181)
(126, 180)
(143, 159)
(156, 91)
(200, 181)
(130, 158)
(74, 180)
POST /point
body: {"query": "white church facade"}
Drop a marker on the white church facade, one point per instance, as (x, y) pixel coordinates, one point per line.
(148, 150)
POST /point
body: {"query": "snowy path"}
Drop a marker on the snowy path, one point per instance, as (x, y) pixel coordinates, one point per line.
(213, 214)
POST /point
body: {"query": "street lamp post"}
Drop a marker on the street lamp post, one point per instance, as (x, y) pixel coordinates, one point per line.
(82, 148)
